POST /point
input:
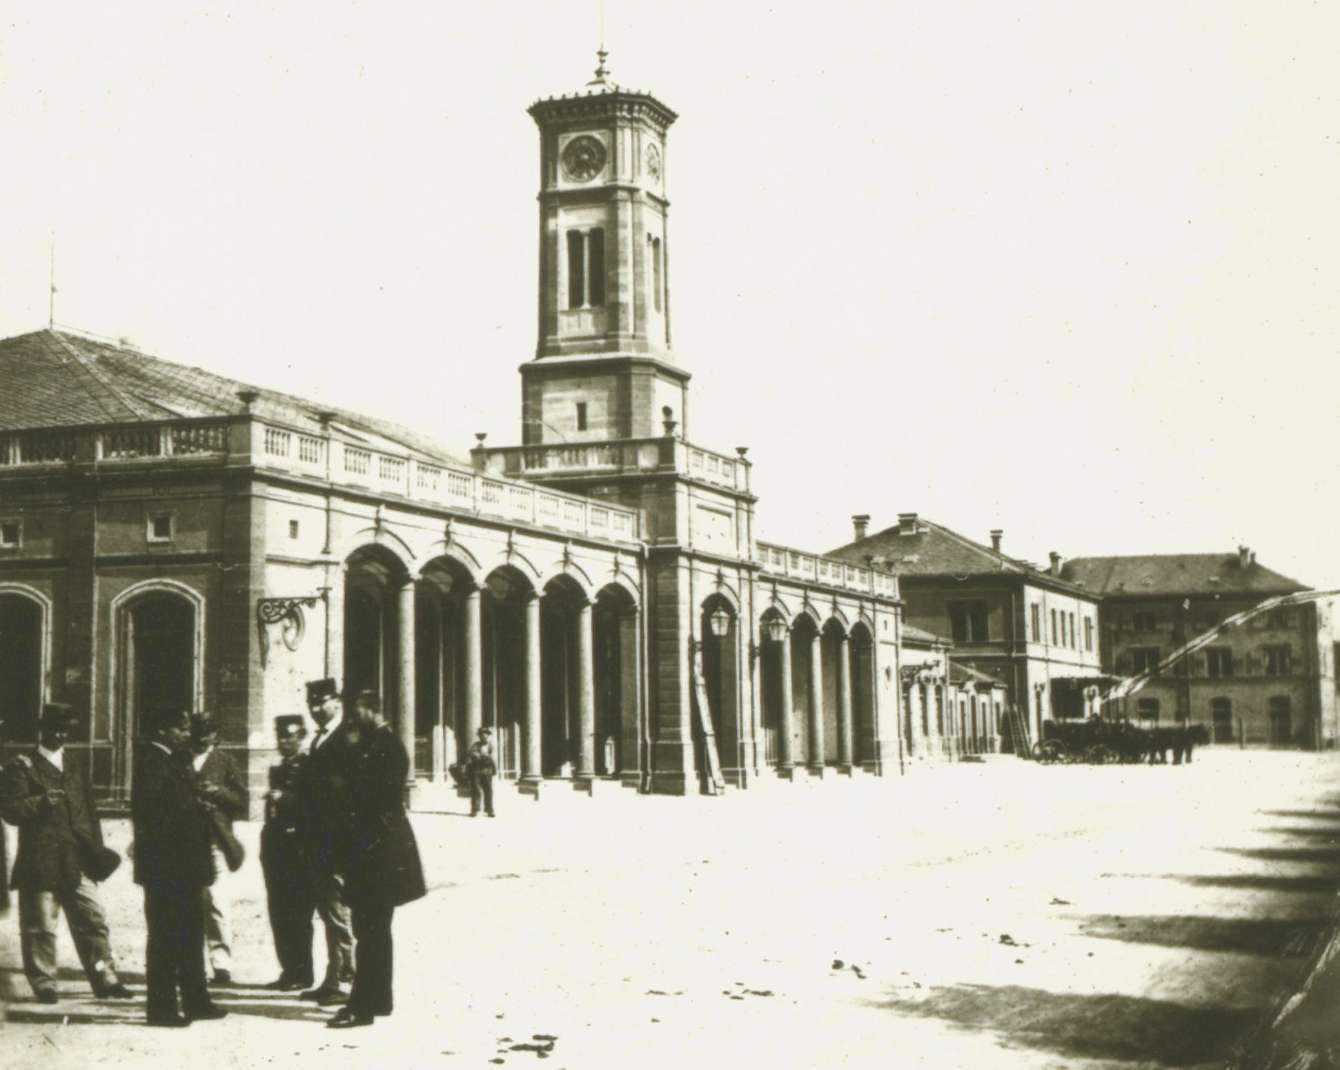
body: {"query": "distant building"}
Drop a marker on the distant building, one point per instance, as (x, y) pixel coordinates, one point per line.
(1270, 681)
(948, 709)
(1031, 630)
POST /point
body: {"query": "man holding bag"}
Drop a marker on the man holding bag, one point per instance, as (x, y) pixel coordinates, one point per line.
(61, 857)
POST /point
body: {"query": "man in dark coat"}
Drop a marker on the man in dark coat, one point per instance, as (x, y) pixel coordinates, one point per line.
(324, 808)
(482, 770)
(60, 857)
(383, 867)
(172, 863)
(288, 884)
(222, 786)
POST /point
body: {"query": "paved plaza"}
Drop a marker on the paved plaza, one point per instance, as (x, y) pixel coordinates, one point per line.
(990, 915)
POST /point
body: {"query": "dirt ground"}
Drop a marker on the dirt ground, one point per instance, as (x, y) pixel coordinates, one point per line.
(996, 915)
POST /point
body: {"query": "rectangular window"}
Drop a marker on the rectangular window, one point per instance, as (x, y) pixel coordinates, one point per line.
(581, 416)
(1144, 622)
(292, 529)
(1144, 659)
(576, 268)
(1279, 661)
(1054, 639)
(1035, 622)
(657, 274)
(1219, 661)
(595, 263)
(1072, 631)
(160, 527)
(1088, 634)
(968, 622)
(11, 534)
(1147, 709)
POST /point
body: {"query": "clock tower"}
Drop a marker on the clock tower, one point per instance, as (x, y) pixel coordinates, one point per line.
(603, 368)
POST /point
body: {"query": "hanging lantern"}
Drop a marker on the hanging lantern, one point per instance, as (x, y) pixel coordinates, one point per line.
(720, 622)
(776, 628)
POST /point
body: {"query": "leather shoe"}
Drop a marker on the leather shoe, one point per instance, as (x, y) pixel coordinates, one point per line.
(116, 991)
(333, 999)
(223, 977)
(316, 995)
(347, 1019)
(210, 1012)
(46, 995)
(295, 986)
(167, 1021)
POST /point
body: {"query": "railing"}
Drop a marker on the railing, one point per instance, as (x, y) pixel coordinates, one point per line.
(796, 564)
(249, 440)
(629, 455)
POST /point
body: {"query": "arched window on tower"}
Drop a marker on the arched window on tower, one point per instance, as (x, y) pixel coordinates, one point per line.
(586, 268)
(576, 268)
(657, 273)
(595, 260)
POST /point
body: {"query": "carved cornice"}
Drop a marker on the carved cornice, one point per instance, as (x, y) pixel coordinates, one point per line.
(620, 103)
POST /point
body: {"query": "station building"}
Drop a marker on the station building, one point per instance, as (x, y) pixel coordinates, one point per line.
(171, 538)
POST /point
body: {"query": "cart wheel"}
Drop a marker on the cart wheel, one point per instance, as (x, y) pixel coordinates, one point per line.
(1049, 751)
(1100, 754)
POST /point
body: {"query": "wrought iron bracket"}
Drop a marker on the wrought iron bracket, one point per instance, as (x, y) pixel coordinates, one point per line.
(271, 611)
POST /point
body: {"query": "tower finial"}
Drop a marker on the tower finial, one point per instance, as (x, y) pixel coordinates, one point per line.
(602, 72)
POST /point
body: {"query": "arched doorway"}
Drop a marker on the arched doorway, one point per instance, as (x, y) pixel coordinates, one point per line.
(806, 743)
(373, 576)
(861, 649)
(21, 666)
(832, 649)
(717, 660)
(614, 622)
(564, 609)
(446, 595)
(506, 592)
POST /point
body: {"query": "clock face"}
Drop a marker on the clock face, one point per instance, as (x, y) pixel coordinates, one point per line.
(654, 162)
(583, 158)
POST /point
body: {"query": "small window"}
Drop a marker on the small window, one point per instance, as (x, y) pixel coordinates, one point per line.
(1279, 661)
(1147, 709)
(292, 529)
(1072, 631)
(968, 622)
(1145, 622)
(1055, 640)
(576, 269)
(1088, 634)
(581, 416)
(1035, 623)
(1219, 661)
(160, 527)
(11, 534)
(1145, 659)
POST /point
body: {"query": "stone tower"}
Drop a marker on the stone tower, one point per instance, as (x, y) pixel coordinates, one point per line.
(602, 367)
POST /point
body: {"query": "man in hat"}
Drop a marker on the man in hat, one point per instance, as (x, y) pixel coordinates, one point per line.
(288, 890)
(324, 808)
(172, 863)
(482, 768)
(223, 788)
(60, 859)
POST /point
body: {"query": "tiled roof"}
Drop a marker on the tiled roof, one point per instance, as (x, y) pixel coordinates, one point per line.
(920, 635)
(59, 379)
(1164, 574)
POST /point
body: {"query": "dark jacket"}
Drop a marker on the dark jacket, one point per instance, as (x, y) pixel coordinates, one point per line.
(383, 862)
(171, 828)
(55, 837)
(221, 771)
(324, 802)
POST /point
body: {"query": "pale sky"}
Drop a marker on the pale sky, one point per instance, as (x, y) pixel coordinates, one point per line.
(1067, 269)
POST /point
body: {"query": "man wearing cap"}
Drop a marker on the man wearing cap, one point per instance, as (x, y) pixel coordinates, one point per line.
(172, 863)
(222, 787)
(288, 891)
(324, 808)
(60, 857)
(482, 769)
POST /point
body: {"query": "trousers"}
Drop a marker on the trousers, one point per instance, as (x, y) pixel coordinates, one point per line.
(174, 953)
(290, 902)
(333, 908)
(481, 788)
(371, 992)
(39, 918)
(218, 903)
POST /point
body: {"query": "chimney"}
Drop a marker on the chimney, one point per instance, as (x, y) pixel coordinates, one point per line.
(907, 523)
(1245, 556)
(1057, 561)
(996, 535)
(860, 524)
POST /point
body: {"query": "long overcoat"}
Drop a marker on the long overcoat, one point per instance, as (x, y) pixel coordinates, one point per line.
(383, 861)
(171, 826)
(56, 837)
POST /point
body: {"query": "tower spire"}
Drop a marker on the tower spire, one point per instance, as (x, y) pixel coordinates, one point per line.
(602, 54)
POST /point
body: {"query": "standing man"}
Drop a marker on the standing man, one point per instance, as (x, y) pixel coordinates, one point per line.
(383, 865)
(222, 787)
(482, 769)
(324, 811)
(60, 857)
(288, 885)
(172, 863)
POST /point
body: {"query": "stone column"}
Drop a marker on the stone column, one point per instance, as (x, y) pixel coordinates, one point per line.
(844, 704)
(586, 695)
(786, 718)
(405, 676)
(816, 702)
(474, 668)
(530, 736)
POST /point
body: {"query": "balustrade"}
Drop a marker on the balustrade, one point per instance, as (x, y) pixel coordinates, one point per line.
(795, 564)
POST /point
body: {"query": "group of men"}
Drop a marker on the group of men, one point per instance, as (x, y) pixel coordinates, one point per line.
(336, 842)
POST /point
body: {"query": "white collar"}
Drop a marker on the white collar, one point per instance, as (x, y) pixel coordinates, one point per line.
(161, 746)
(55, 757)
(326, 730)
(198, 760)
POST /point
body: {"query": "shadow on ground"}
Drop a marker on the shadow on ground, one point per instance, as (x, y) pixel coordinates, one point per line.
(1246, 882)
(1086, 1027)
(1324, 835)
(1324, 815)
(1254, 936)
(1328, 856)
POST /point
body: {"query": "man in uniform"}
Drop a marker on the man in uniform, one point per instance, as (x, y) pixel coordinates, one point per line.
(172, 863)
(482, 769)
(222, 786)
(324, 812)
(288, 891)
(60, 857)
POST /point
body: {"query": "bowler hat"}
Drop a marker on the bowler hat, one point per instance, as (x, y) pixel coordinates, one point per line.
(320, 690)
(57, 713)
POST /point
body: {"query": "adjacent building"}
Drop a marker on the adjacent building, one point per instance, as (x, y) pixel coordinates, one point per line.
(1270, 680)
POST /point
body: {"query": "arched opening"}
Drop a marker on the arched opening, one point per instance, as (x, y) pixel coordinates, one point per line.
(716, 671)
(773, 676)
(806, 744)
(440, 678)
(503, 635)
(564, 608)
(373, 577)
(614, 620)
(832, 649)
(861, 649)
(21, 668)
